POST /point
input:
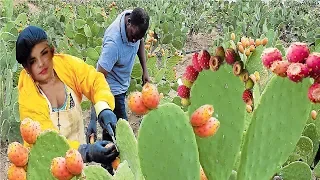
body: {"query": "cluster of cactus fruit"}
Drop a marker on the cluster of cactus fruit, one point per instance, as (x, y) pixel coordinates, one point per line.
(142, 102)
(231, 56)
(297, 64)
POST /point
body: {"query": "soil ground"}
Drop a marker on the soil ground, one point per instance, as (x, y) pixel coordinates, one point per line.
(194, 42)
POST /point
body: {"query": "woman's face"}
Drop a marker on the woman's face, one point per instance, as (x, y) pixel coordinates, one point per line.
(40, 65)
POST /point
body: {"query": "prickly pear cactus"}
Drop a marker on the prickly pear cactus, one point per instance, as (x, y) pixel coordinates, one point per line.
(274, 126)
(223, 90)
(296, 171)
(310, 131)
(124, 172)
(96, 172)
(303, 150)
(128, 147)
(49, 145)
(167, 145)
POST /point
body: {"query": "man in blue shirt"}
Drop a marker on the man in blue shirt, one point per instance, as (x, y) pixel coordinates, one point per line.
(122, 41)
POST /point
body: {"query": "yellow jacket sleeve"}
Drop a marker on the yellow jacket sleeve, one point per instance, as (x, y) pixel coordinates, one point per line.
(92, 84)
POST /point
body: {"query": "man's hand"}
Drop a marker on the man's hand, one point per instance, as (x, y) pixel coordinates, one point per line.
(145, 77)
(92, 127)
(107, 118)
(103, 152)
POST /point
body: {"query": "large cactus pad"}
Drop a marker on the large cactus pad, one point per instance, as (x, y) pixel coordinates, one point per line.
(223, 90)
(48, 146)
(275, 129)
(167, 145)
(128, 147)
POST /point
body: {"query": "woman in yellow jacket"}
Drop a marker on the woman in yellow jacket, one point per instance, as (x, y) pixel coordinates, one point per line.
(50, 91)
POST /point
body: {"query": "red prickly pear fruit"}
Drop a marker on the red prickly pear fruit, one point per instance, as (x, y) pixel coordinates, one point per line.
(270, 55)
(314, 93)
(214, 63)
(135, 103)
(210, 128)
(313, 63)
(30, 130)
(201, 115)
(230, 56)
(59, 169)
(191, 73)
(297, 52)
(297, 71)
(203, 59)
(195, 62)
(74, 162)
(150, 96)
(237, 68)
(18, 154)
(183, 91)
(280, 68)
(16, 173)
(220, 52)
(247, 97)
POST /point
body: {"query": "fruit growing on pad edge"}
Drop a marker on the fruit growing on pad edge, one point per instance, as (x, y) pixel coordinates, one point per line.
(150, 96)
(190, 73)
(59, 169)
(16, 173)
(230, 56)
(135, 103)
(195, 62)
(220, 52)
(74, 162)
(237, 68)
(214, 63)
(30, 130)
(183, 91)
(297, 71)
(297, 52)
(314, 93)
(115, 163)
(280, 68)
(313, 63)
(270, 55)
(247, 97)
(201, 115)
(208, 129)
(314, 114)
(18, 154)
(203, 59)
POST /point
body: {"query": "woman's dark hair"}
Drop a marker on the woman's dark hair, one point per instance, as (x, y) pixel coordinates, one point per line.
(140, 18)
(27, 39)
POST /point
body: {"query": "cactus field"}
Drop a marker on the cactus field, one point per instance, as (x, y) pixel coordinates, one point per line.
(234, 91)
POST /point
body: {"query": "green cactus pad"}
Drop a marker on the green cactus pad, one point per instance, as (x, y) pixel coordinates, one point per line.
(303, 150)
(167, 145)
(224, 91)
(48, 146)
(296, 171)
(275, 129)
(128, 147)
(316, 170)
(124, 172)
(96, 172)
(310, 131)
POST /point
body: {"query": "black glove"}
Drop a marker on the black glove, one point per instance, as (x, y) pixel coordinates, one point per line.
(92, 127)
(98, 153)
(108, 121)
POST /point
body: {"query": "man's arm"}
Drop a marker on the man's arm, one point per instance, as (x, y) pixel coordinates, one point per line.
(142, 59)
(103, 71)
